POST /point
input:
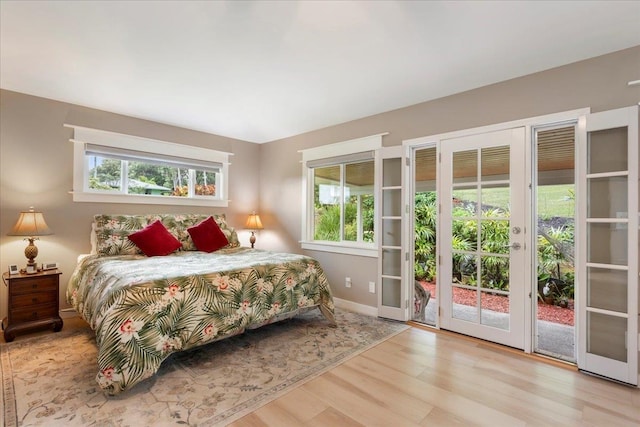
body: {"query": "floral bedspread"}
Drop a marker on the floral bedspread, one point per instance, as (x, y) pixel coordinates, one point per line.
(145, 308)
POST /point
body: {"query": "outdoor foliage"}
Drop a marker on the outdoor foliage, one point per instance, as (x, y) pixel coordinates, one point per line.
(555, 245)
(555, 265)
(425, 236)
(106, 175)
(327, 225)
(200, 190)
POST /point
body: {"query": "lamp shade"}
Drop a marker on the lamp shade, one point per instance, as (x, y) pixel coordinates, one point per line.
(30, 223)
(253, 222)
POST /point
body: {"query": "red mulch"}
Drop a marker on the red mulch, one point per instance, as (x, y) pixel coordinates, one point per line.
(499, 303)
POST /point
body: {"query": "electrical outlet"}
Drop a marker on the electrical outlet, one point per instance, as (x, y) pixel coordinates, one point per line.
(372, 287)
(347, 282)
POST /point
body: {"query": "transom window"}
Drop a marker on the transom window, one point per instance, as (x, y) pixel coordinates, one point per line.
(146, 171)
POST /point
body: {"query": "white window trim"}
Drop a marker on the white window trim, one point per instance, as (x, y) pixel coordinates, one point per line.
(83, 136)
(368, 143)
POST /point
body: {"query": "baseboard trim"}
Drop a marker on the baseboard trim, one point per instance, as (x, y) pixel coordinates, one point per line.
(67, 313)
(354, 306)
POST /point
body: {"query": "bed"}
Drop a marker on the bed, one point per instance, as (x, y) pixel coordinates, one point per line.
(144, 308)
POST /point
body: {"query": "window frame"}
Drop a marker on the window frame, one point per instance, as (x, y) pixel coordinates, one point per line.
(316, 155)
(145, 150)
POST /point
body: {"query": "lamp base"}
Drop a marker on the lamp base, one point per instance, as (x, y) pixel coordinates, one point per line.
(252, 239)
(31, 252)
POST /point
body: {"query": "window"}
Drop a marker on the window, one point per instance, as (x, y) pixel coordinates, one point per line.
(116, 168)
(340, 197)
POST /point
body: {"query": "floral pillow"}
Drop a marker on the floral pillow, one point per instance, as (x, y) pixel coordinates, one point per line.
(112, 231)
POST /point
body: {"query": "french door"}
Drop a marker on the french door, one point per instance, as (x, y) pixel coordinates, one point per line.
(608, 248)
(483, 192)
(393, 302)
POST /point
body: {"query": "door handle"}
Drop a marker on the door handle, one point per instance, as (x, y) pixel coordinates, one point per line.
(515, 246)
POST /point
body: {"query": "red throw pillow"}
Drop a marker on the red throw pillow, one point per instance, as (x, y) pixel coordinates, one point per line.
(207, 236)
(155, 240)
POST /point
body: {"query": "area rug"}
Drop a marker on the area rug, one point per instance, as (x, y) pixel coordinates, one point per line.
(50, 379)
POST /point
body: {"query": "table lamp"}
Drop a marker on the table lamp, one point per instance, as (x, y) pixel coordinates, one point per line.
(253, 224)
(30, 224)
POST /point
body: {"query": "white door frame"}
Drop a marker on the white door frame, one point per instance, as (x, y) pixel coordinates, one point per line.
(409, 188)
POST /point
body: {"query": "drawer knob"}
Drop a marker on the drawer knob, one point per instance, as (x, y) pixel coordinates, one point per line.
(34, 286)
(34, 299)
(34, 315)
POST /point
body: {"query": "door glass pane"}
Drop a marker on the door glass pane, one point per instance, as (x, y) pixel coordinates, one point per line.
(392, 202)
(606, 336)
(464, 304)
(607, 243)
(465, 299)
(607, 151)
(464, 269)
(464, 201)
(465, 166)
(391, 172)
(494, 310)
(464, 235)
(607, 289)
(391, 295)
(495, 201)
(607, 197)
(392, 232)
(495, 163)
(495, 236)
(495, 272)
(391, 262)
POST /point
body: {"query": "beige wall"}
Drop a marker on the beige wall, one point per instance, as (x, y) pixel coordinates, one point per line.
(267, 177)
(599, 83)
(36, 169)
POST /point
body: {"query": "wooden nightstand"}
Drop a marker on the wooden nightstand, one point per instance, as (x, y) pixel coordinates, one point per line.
(32, 302)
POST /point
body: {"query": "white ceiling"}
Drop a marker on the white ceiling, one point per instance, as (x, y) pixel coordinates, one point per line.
(264, 70)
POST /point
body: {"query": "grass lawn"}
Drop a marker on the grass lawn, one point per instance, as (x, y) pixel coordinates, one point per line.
(553, 200)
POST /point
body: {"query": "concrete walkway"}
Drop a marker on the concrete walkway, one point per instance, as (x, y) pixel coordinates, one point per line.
(554, 339)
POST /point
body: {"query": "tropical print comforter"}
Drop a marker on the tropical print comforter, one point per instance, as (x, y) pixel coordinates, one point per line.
(145, 308)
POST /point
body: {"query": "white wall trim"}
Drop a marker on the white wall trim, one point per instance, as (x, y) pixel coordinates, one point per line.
(354, 306)
(340, 248)
(366, 143)
(68, 313)
(120, 140)
(546, 119)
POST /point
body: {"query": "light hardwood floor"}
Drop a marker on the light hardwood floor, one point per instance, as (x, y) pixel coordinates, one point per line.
(424, 378)
(427, 378)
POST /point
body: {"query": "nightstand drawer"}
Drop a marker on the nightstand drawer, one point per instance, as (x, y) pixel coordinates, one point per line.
(35, 312)
(27, 300)
(39, 284)
(33, 302)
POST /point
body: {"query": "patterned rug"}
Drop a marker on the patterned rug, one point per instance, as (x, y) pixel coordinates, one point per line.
(50, 379)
